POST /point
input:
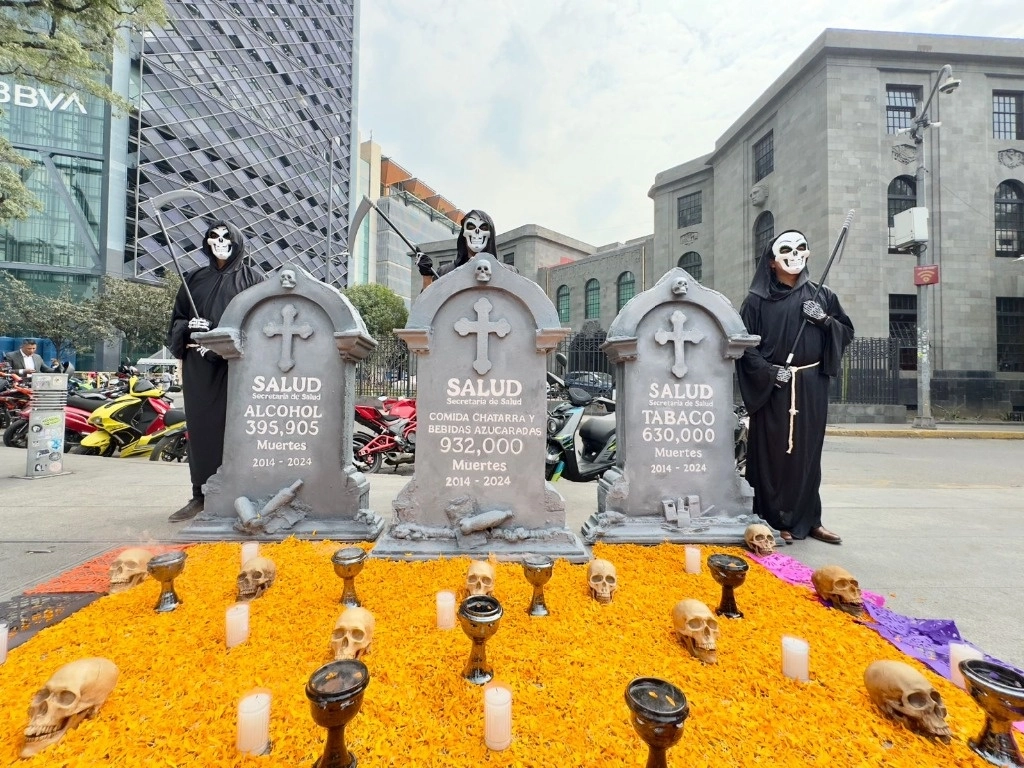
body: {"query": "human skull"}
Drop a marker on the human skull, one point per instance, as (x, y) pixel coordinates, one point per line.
(603, 580)
(483, 271)
(219, 241)
(836, 586)
(697, 628)
(287, 278)
(74, 692)
(257, 577)
(790, 251)
(904, 694)
(480, 578)
(477, 232)
(760, 539)
(679, 286)
(129, 569)
(353, 634)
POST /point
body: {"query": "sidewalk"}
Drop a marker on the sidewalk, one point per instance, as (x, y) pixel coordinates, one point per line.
(995, 430)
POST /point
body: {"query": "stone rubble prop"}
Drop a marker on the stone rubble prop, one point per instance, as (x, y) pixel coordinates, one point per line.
(257, 576)
(74, 692)
(837, 587)
(697, 629)
(602, 580)
(279, 513)
(129, 569)
(353, 634)
(759, 539)
(905, 695)
(480, 578)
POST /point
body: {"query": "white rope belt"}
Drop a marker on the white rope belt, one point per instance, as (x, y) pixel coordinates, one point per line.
(792, 401)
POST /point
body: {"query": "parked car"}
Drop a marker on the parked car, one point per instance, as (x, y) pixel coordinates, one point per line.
(598, 384)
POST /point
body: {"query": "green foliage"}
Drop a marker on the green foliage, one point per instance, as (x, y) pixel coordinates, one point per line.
(139, 311)
(382, 309)
(72, 324)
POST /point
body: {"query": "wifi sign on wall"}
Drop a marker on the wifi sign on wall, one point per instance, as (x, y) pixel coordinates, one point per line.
(926, 275)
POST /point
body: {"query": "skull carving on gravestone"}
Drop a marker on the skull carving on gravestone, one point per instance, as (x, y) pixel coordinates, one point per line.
(129, 569)
(836, 586)
(680, 286)
(353, 634)
(697, 628)
(483, 271)
(287, 279)
(480, 578)
(257, 577)
(904, 694)
(74, 692)
(760, 539)
(603, 580)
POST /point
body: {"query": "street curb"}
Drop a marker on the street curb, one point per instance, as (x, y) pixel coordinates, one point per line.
(949, 434)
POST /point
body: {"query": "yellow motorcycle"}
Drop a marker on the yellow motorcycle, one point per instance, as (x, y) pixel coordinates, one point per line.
(134, 423)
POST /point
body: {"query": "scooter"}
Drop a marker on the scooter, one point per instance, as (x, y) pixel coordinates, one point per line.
(392, 437)
(580, 448)
(132, 424)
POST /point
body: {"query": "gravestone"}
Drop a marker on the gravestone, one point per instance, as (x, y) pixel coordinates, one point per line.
(292, 344)
(482, 334)
(675, 478)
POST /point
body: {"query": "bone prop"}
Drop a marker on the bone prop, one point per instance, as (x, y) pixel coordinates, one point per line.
(795, 658)
(254, 723)
(483, 521)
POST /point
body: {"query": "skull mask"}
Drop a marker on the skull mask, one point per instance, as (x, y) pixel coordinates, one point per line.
(790, 251)
(477, 232)
(679, 286)
(480, 579)
(353, 634)
(219, 241)
(760, 539)
(257, 577)
(904, 694)
(697, 628)
(603, 581)
(483, 271)
(836, 586)
(287, 278)
(74, 692)
(129, 569)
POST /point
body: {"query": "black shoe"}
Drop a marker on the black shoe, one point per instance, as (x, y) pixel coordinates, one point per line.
(190, 510)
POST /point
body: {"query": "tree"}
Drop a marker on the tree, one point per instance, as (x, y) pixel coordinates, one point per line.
(68, 45)
(382, 309)
(141, 312)
(72, 324)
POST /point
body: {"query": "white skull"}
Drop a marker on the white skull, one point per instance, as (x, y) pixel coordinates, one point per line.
(477, 232)
(257, 577)
(760, 539)
(129, 569)
(74, 692)
(697, 628)
(790, 251)
(904, 694)
(219, 241)
(679, 286)
(353, 634)
(480, 579)
(836, 586)
(603, 581)
(483, 270)
(287, 278)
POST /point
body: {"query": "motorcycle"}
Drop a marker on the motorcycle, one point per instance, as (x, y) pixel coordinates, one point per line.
(173, 446)
(579, 448)
(392, 438)
(132, 424)
(15, 396)
(76, 421)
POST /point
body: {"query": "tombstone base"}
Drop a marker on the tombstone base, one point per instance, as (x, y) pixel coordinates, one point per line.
(433, 544)
(616, 528)
(367, 527)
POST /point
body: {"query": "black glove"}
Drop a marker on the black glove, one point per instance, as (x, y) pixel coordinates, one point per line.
(813, 313)
(424, 264)
(782, 375)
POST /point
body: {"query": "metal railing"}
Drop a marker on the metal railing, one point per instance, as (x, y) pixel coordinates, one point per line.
(870, 373)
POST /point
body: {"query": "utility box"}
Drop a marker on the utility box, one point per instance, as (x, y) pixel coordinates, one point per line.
(910, 227)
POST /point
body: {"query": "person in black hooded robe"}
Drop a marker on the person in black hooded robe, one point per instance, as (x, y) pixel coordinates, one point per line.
(784, 450)
(476, 235)
(205, 373)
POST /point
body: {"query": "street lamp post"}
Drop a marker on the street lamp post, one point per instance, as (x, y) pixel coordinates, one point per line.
(924, 419)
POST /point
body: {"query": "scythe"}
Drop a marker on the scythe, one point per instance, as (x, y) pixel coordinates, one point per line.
(156, 203)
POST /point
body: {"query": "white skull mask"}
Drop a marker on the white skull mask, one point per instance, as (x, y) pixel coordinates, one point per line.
(287, 278)
(760, 539)
(257, 577)
(353, 634)
(603, 581)
(697, 628)
(904, 694)
(836, 586)
(477, 232)
(483, 270)
(74, 692)
(129, 569)
(790, 251)
(480, 578)
(220, 244)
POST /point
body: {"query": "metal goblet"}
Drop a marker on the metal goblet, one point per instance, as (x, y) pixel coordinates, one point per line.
(538, 570)
(335, 693)
(999, 692)
(348, 562)
(729, 571)
(479, 616)
(659, 711)
(164, 568)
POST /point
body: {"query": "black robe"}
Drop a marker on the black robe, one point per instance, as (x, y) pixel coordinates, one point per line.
(786, 484)
(205, 382)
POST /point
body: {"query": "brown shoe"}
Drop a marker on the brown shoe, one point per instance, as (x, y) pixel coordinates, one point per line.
(786, 536)
(821, 533)
(190, 510)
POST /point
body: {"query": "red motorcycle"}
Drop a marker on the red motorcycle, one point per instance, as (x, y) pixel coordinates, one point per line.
(76, 419)
(14, 397)
(392, 438)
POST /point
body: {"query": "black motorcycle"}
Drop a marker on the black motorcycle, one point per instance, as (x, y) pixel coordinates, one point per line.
(580, 447)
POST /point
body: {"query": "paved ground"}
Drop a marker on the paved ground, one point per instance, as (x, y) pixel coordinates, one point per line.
(932, 524)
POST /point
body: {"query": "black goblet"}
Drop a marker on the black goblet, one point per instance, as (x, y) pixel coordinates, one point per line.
(729, 571)
(659, 711)
(335, 693)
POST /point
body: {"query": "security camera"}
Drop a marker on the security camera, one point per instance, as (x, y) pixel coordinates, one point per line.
(949, 86)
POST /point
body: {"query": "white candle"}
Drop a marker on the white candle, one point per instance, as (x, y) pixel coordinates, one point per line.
(3, 641)
(692, 559)
(236, 620)
(254, 722)
(959, 652)
(497, 717)
(250, 549)
(445, 610)
(795, 658)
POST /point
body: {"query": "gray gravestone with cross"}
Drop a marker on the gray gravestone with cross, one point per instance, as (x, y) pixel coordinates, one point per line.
(482, 334)
(674, 348)
(292, 344)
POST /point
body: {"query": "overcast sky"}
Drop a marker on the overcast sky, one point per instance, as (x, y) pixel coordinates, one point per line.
(561, 112)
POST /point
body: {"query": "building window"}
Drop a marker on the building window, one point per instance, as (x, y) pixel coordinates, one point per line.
(688, 210)
(1009, 333)
(903, 327)
(900, 107)
(690, 261)
(562, 302)
(509, 258)
(764, 233)
(902, 195)
(764, 156)
(626, 288)
(1007, 115)
(1010, 219)
(592, 300)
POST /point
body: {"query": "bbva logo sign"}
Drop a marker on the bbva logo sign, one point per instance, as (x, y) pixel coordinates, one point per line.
(37, 98)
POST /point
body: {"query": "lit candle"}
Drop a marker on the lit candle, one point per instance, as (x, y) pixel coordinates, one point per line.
(497, 717)
(254, 722)
(250, 549)
(3, 641)
(959, 652)
(795, 658)
(445, 610)
(692, 559)
(236, 619)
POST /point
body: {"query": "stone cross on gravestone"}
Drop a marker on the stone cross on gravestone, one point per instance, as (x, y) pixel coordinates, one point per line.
(678, 337)
(287, 332)
(482, 327)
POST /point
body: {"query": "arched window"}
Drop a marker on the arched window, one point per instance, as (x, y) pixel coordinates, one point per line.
(1010, 219)
(690, 261)
(902, 195)
(562, 302)
(592, 300)
(626, 285)
(764, 232)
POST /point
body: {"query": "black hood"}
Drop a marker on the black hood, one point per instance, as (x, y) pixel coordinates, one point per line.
(463, 253)
(237, 258)
(765, 284)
